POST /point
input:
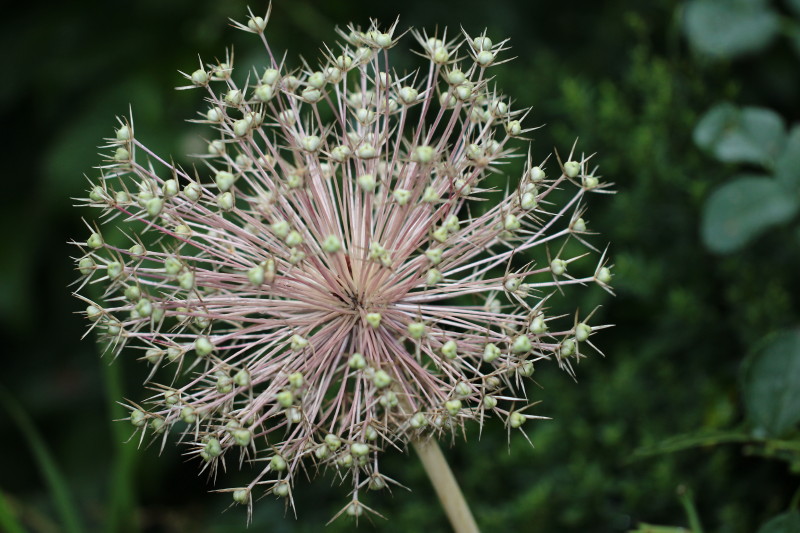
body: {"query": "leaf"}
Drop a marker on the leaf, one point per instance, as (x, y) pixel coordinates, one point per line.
(759, 136)
(787, 166)
(783, 523)
(728, 28)
(8, 519)
(56, 482)
(747, 135)
(771, 384)
(651, 528)
(743, 208)
(686, 441)
(794, 5)
(714, 123)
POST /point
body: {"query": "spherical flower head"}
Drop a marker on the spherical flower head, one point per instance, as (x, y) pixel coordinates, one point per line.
(320, 289)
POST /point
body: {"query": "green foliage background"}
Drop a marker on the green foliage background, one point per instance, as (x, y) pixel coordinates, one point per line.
(620, 75)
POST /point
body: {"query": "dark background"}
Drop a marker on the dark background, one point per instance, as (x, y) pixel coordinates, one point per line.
(619, 75)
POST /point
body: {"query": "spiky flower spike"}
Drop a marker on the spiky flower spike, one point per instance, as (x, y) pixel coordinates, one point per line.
(318, 286)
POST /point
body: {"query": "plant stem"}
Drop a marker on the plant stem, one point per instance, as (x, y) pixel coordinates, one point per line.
(446, 486)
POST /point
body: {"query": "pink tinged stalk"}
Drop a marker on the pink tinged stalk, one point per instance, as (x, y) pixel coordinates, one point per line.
(326, 289)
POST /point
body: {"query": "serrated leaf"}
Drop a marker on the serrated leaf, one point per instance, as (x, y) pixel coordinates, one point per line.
(747, 135)
(743, 208)
(771, 384)
(783, 523)
(726, 29)
(787, 165)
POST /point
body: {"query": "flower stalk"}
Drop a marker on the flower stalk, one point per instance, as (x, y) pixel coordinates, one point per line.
(445, 485)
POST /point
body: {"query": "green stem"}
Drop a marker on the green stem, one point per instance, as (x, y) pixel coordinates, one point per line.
(685, 495)
(445, 485)
(121, 514)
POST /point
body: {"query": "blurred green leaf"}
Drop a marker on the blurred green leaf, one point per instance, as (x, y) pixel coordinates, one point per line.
(787, 166)
(8, 522)
(691, 440)
(771, 384)
(714, 123)
(650, 528)
(783, 523)
(747, 135)
(743, 208)
(59, 488)
(728, 28)
(794, 5)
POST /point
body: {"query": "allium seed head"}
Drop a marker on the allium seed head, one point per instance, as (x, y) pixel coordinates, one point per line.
(318, 286)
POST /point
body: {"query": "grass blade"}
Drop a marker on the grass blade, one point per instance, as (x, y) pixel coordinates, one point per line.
(57, 485)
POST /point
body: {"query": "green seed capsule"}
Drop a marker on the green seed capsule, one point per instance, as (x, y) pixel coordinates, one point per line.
(433, 276)
(281, 489)
(242, 437)
(430, 195)
(333, 442)
(558, 267)
(226, 201)
(114, 269)
(453, 406)
(374, 319)
(572, 169)
(188, 415)
(95, 241)
(199, 77)
(367, 182)
(381, 379)
(357, 361)
(294, 238)
(604, 275)
(450, 349)
(277, 463)
(418, 421)
(203, 346)
(515, 419)
(359, 449)
(285, 398)
(567, 347)
(94, 313)
(296, 380)
(138, 418)
(241, 496)
(242, 378)
(153, 355)
(582, 332)
(192, 191)
(144, 307)
(526, 369)
(331, 244)
(86, 265)
(298, 343)
(401, 196)
(224, 180)
(213, 448)
(424, 154)
(521, 344)
(489, 402)
(186, 280)
(434, 255)
(491, 352)
(416, 330)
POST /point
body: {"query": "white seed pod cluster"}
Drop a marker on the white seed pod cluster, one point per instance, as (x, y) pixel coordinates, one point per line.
(326, 283)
